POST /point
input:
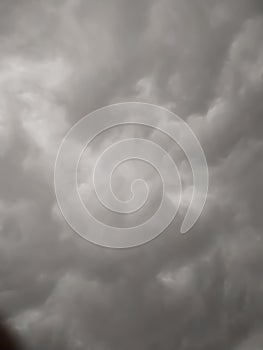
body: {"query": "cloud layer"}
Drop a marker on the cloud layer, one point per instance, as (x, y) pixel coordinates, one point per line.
(202, 59)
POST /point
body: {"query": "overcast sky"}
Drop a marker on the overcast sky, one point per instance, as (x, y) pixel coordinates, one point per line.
(202, 59)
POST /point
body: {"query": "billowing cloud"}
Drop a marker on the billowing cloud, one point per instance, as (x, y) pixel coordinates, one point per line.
(203, 60)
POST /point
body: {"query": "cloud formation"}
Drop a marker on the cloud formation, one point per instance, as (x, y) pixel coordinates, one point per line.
(202, 59)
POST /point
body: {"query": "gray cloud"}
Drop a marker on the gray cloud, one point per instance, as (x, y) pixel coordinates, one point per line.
(203, 60)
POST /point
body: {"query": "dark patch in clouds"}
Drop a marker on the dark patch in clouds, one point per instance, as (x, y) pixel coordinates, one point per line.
(203, 60)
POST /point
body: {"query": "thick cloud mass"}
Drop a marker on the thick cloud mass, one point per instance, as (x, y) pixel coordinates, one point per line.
(61, 60)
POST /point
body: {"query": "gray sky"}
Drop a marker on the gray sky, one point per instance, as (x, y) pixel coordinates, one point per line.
(203, 59)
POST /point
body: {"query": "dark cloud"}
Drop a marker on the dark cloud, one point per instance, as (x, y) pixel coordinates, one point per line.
(61, 60)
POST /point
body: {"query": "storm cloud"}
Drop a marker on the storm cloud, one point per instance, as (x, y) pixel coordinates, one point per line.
(202, 59)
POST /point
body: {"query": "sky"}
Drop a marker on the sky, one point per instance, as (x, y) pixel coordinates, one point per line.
(201, 59)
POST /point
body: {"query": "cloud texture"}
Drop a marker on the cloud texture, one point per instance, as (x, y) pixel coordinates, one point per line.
(202, 59)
